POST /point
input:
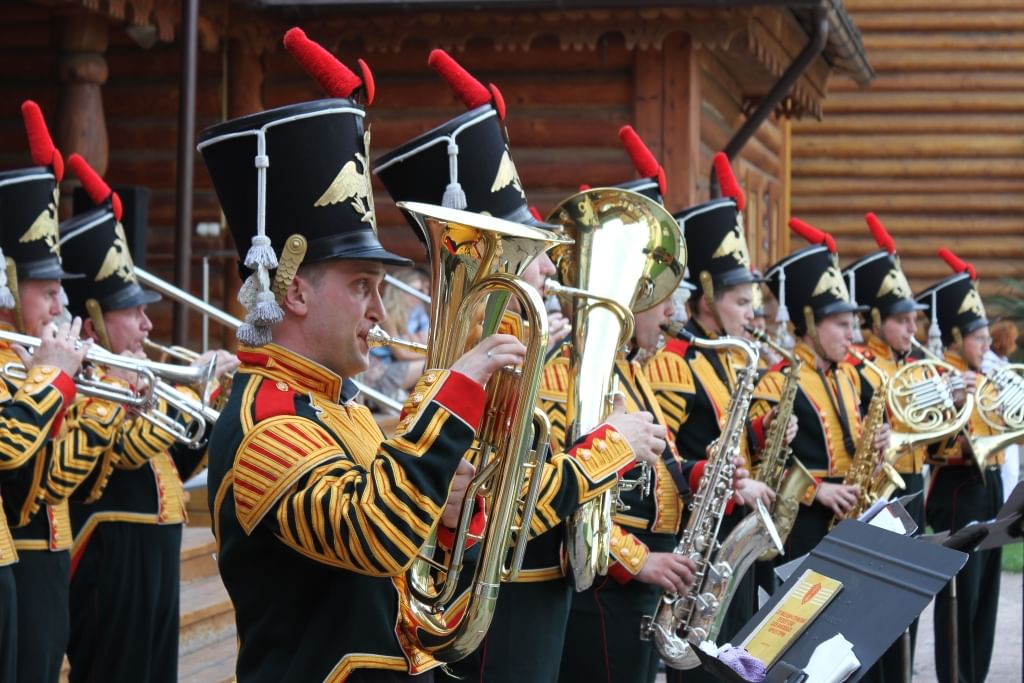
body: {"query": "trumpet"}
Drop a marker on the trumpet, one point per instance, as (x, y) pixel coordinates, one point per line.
(156, 379)
(188, 356)
(230, 321)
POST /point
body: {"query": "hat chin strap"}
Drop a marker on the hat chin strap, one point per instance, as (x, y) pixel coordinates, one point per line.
(812, 332)
(288, 265)
(707, 286)
(876, 321)
(99, 326)
(12, 284)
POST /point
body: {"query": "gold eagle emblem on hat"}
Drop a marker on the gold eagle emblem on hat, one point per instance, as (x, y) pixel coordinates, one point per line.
(972, 303)
(894, 282)
(831, 282)
(118, 260)
(44, 227)
(353, 183)
(507, 175)
(734, 244)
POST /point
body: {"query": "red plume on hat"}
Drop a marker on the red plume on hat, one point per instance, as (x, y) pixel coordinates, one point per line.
(643, 159)
(97, 189)
(336, 79)
(812, 234)
(882, 236)
(727, 180)
(44, 152)
(957, 264)
(472, 92)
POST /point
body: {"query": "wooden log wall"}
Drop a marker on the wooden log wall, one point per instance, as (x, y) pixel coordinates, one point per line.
(935, 146)
(140, 104)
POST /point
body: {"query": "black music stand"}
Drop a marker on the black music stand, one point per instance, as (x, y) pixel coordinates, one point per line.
(888, 580)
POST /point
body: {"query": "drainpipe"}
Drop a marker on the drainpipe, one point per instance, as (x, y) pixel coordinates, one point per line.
(814, 47)
(186, 163)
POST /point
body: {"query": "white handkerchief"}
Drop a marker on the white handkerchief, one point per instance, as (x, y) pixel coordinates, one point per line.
(832, 661)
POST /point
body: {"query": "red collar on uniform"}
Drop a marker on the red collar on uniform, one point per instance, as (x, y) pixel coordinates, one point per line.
(300, 373)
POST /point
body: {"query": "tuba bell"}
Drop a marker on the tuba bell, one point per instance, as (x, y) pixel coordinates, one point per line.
(627, 256)
(476, 262)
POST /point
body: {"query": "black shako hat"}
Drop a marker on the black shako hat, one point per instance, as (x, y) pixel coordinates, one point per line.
(809, 280)
(465, 163)
(29, 233)
(715, 238)
(294, 185)
(94, 243)
(877, 280)
(954, 303)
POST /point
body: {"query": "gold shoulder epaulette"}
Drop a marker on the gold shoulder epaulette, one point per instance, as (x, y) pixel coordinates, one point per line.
(554, 382)
(670, 371)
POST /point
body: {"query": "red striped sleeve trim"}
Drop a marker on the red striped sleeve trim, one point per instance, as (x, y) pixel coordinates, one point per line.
(462, 397)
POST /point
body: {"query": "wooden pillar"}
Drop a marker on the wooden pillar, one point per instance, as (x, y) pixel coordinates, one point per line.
(666, 112)
(780, 240)
(81, 41)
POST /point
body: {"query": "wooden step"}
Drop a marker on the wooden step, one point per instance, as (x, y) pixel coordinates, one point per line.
(206, 614)
(212, 663)
(198, 549)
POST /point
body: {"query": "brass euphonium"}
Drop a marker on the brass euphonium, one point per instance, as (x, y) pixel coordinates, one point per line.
(627, 256)
(682, 622)
(790, 489)
(476, 262)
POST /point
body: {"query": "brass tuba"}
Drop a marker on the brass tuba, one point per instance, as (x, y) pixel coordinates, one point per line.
(627, 256)
(476, 262)
(790, 487)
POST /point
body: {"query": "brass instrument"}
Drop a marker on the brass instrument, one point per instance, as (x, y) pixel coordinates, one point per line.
(188, 356)
(682, 622)
(628, 255)
(1000, 404)
(789, 489)
(227, 320)
(155, 383)
(476, 261)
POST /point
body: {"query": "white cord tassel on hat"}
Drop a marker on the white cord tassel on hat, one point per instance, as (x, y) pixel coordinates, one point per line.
(934, 331)
(6, 297)
(782, 334)
(858, 336)
(454, 196)
(263, 309)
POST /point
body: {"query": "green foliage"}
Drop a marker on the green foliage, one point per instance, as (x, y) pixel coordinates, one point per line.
(1013, 557)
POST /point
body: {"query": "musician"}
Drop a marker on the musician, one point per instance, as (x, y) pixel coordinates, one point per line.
(531, 611)
(317, 517)
(37, 469)
(693, 385)
(827, 406)
(963, 490)
(128, 514)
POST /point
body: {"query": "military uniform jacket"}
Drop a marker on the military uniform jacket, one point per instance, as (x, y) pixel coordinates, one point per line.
(30, 413)
(882, 355)
(138, 477)
(36, 494)
(651, 523)
(819, 443)
(694, 387)
(317, 517)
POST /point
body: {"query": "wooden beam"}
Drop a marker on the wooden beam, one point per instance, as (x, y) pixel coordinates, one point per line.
(681, 121)
(81, 41)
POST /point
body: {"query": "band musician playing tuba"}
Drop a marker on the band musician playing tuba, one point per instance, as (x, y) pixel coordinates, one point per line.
(316, 515)
(531, 609)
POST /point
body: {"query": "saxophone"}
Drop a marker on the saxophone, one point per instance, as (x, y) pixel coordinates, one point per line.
(866, 459)
(681, 622)
(790, 490)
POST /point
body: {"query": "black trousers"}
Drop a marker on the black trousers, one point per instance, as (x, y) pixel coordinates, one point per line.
(526, 637)
(41, 580)
(958, 495)
(385, 676)
(8, 625)
(124, 605)
(602, 641)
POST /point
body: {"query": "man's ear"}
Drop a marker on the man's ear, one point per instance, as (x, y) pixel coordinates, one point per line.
(297, 296)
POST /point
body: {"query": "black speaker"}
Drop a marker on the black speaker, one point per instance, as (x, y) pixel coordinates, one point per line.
(135, 220)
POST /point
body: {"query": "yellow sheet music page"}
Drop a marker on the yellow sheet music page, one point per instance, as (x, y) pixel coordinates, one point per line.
(798, 608)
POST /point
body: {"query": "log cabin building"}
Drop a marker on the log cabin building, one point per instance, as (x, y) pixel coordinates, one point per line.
(687, 74)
